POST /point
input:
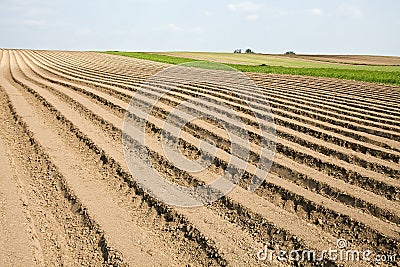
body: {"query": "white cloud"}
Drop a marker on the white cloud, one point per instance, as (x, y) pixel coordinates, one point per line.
(248, 10)
(173, 27)
(244, 6)
(317, 12)
(350, 11)
(207, 14)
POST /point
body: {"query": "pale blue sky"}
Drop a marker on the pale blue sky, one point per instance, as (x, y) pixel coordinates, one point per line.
(308, 26)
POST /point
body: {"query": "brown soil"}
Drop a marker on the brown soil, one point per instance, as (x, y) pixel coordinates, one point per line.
(68, 198)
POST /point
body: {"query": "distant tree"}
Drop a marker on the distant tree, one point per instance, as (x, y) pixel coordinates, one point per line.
(249, 51)
(290, 53)
(237, 51)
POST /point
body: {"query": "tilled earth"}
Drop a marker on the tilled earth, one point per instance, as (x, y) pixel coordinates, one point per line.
(67, 197)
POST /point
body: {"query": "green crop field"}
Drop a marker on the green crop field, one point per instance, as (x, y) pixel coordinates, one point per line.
(282, 65)
(273, 60)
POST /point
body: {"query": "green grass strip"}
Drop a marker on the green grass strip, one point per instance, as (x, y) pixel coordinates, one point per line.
(385, 77)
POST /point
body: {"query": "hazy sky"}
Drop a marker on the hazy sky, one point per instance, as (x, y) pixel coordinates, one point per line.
(308, 26)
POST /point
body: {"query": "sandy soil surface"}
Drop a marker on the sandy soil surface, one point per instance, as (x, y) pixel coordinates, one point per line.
(355, 59)
(67, 197)
(297, 61)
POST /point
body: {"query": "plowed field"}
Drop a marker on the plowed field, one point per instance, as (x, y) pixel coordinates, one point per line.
(68, 198)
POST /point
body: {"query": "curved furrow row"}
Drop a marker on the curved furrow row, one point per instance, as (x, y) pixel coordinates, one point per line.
(375, 134)
(323, 168)
(299, 127)
(328, 108)
(201, 225)
(363, 164)
(116, 76)
(340, 87)
(236, 195)
(353, 214)
(286, 88)
(320, 85)
(335, 173)
(317, 92)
